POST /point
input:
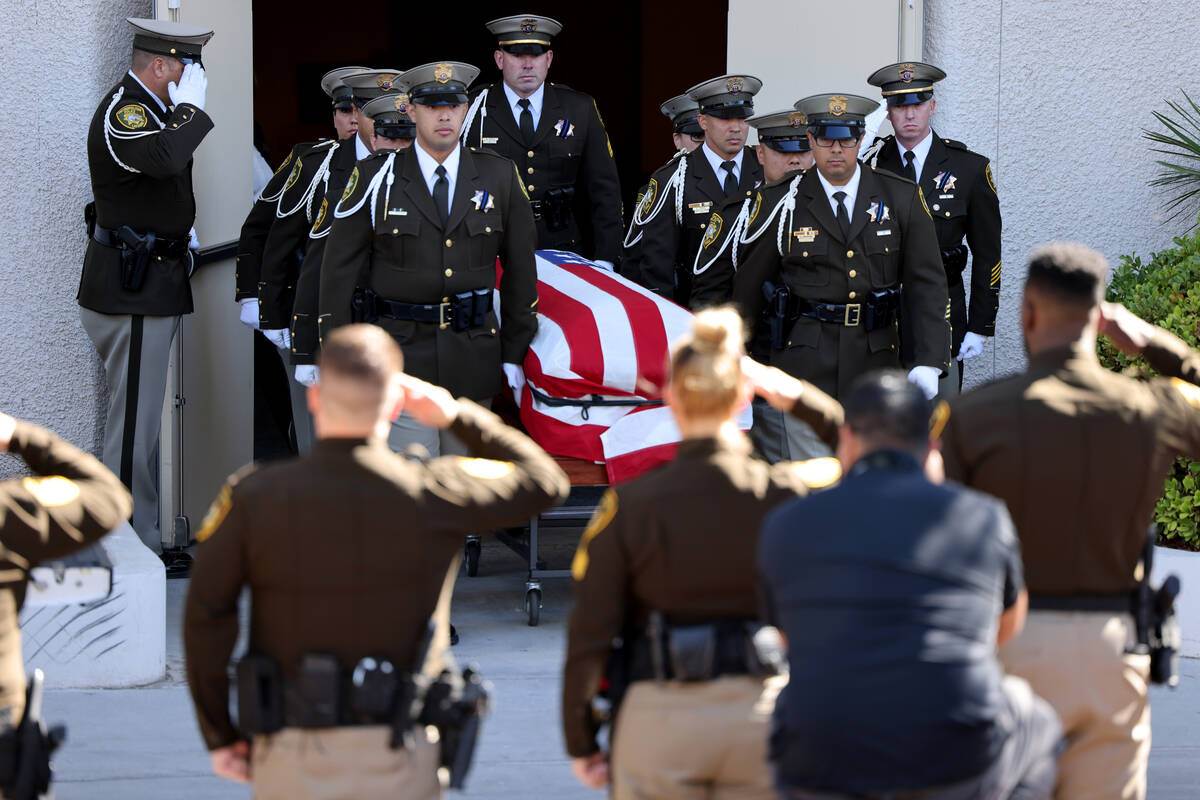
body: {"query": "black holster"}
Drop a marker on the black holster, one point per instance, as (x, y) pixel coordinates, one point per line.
(954, 260)
(1158, 632)
(776, 312)
(362, 306)
(25, 769)
(557, 208)
(259, 695)
(456, 706)
(707, 650)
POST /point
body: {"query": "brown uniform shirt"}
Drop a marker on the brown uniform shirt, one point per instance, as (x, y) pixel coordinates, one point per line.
(347, 550)
(680, 540)
(1079, 454)
(71, 501)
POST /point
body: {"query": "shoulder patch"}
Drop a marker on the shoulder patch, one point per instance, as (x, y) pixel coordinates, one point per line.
(133, 116)
(321, 213)
(286, 161)
(1190, 391)
(924, 205)
(712, 231)
(817, 473)
(987, 172)
(485, 469)
(216, 513)
(295, 176)
(648, 198)
(603, 516)
(754, 208)
(352, 184)
(52, 491)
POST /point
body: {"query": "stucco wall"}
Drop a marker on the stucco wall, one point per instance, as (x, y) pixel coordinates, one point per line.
(1057, 94)
(57, 59)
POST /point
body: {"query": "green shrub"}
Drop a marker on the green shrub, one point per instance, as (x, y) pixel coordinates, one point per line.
(1166, 291)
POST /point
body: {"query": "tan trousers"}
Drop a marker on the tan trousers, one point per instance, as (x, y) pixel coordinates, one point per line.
(352, 763)
(1077, 662)
(694, 741)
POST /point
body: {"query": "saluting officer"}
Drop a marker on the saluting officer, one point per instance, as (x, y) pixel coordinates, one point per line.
(686, 135)
(722, 167)
(857, 249)
(556, 138)
(135, 283)
(364, 85)
(961, 193)
(1079, 455)
(414, 245)
(323, 701)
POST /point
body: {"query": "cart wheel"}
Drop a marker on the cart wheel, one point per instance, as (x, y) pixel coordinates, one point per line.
(533, 606)
(473, 550)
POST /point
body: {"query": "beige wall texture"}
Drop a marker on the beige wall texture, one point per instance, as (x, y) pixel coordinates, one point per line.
(1057, 94)
(57, 59)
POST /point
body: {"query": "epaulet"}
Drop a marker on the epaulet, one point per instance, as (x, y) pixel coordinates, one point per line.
(487, 153)
(957, 145)
(888, 175)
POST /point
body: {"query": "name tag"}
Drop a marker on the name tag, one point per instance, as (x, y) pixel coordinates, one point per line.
(397, 212)
(945, 197)
(805, 234)
(700, 208)
(884, 232)
(491, 139)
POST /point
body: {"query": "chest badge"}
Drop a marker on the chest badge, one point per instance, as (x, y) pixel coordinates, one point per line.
(482, 200)
(879, 212)
(805, 234)
(564, 128)
(944, 181)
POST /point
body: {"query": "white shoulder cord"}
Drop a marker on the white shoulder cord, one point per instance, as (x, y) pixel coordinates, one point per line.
(871, 127)
(735, 232)
(372, 191)
(674, 182)
(111, 133)
(788, 203)
(309, 192)
(740, 234)
(476, 107)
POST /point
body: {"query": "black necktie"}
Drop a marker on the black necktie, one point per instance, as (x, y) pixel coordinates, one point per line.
(910, 169)
(526, 120)
(842, 217)
(441, 194)
(730, 183)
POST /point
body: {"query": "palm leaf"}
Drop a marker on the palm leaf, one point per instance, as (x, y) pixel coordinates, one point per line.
(1180, 142)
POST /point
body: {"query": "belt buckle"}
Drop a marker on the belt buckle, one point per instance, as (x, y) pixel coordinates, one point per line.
(853, 314)
(443, 316)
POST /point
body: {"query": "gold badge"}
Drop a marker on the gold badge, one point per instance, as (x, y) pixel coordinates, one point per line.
(805, 234)
(754, 209)
(132, 116)
(442, 73)
(712, 231)
(351, 185)
(528, 25)
(401, 103)
(906, 72)
(734, 85)
(385, 81)
(216, 514)
(600, 520)
(295, 176)
(52, 491)
(648, 198)
(797, 120)
(837, 105)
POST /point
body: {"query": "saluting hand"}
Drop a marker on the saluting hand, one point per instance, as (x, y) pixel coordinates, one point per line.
(232, 762)
(1126, 330)
(7, 426)
(773, 384)
(428, 404)
(591, 771)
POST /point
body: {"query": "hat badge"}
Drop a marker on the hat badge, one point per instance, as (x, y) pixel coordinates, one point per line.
(401, 103)
(442, 73)
(796, 119)
(906, 72)
(837, 105)
(528, 25)
(384, 81)
(733, 85)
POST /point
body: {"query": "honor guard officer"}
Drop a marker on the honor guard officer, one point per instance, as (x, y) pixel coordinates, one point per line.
(136, 273)
(857, 250)
(394, 128)
(333, 705)
(961, 193)
(342, 97)
(673, 223)
(365, 85)
(70, 501)
(556, 138)
(687, 135)
(1079, 456)
(414, 245)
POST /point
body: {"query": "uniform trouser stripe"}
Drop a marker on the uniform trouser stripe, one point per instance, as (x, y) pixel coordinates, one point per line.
(132, 377)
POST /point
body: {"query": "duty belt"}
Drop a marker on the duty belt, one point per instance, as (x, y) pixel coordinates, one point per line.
(699, 652)
(878, 311)
(159, 245)
(1113, 603)
(463, 311)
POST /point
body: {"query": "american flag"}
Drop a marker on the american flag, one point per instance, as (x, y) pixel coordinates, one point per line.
(602, 338)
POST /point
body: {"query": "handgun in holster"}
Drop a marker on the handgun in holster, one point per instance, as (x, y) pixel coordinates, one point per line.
(556, 208)
(135, 257)
(776, 313)
(1158, 632)
(34, 745)
(410, 694)
(259, 695)
(456, 706)
(954, 260)
(89, 219)
(362, 306)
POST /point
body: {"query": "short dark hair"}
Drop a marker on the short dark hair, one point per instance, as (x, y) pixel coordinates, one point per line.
(140, 59)
(885, 409)
(363, 353)
(1071, 272)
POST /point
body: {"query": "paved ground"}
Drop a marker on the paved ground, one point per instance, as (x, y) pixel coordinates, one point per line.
(143, 743)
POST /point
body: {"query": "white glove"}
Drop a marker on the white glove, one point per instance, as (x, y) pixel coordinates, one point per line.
(872, 124)
(280, 337)
(193, 85)
(608, 265)
(193, 239)
(972, 345)
(514, 375)
(308, 374)
(248, 313)
(926, 379)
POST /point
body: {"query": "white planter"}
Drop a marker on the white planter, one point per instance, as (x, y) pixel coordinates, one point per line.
(1187, 566)
(117, 642)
